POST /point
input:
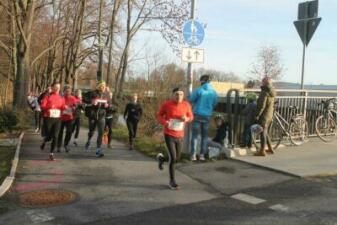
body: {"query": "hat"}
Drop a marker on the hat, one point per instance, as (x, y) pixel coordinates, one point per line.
(177, 89)
(100, 83)
(205, 78)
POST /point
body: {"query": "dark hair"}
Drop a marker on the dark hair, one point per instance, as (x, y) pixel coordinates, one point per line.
(176, 89)
(55, 82)
(205, 78)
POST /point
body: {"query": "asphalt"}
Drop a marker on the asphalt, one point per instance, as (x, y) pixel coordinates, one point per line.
(314, 158)
(125, 187)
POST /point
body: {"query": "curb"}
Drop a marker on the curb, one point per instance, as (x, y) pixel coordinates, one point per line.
(7, 183)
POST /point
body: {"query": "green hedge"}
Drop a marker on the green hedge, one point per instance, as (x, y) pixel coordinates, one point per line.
(14, 120)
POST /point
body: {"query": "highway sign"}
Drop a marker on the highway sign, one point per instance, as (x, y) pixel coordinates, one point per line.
(192, 55)
(193, 33)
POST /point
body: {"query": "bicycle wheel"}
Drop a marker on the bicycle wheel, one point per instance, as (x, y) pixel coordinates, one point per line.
(326, 128)
(275, 134)
(298, 131)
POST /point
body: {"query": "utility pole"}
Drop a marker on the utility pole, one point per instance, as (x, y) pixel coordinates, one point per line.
(100, 44)
(188, 137)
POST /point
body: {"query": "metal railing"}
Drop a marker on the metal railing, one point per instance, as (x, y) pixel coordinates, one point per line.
(307, 102)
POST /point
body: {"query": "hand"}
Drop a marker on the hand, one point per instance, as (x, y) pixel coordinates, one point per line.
(183, 118)
(94, 103)
(167, 123)
(106, 105)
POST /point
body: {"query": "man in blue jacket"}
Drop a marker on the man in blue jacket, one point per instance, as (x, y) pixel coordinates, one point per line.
(203, 101)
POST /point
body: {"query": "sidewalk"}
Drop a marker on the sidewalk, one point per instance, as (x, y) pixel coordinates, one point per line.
(314, 158)
(123, 182)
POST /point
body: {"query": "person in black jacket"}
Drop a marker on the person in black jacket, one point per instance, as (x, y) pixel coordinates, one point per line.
(98, 102)
(133, 112)
(109, 118)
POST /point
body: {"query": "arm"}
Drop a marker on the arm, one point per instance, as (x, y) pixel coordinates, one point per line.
(161, 115)
(140, 111)
(126, 111)
(44, 103)
(261, 105)
(194, 96)
(189, 114)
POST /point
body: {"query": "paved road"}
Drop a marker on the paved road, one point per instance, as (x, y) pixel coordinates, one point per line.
(126, 187)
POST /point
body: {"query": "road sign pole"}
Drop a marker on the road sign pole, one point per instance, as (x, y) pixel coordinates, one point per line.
(188, 136)
(303, 65)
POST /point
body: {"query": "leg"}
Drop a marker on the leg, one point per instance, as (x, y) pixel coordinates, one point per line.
(109, 126)
(55, 133)
(171, 150)
(204, 137)
(60, 136)
(129, 124)
(69, 128)
(100, 131)
(36, 117)
(195, 134)
(135, 125)
(92, 126)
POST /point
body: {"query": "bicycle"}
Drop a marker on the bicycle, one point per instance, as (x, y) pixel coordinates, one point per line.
(296, 130)
(325, 124)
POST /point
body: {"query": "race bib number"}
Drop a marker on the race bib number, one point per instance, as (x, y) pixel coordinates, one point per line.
(54, 113)
(100, 101)
(68, 111)
(176, 125)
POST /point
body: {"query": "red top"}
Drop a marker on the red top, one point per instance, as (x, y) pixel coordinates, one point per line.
(52, 105)
(170, 115)
(68, 112)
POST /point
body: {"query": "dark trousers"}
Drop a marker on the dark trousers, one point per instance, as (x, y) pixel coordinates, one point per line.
(77, 126)
(53, 126)
(108, 124)
(100, 123)
(44, 127)
(132, 127)
(174, 146)
(247, 136)
(69, 129)
(37, 116)
(265, 137)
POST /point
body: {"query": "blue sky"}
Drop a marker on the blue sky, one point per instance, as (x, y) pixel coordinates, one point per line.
(236, 29)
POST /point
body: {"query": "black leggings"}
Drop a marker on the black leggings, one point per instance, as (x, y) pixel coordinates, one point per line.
(174, 146)
(132, 127)
(53, 126)
(69, 129)
(76, 127)
(108, 124)
(37, 115)
(100, 123)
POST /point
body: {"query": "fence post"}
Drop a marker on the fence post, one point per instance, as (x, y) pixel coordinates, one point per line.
(305, 104)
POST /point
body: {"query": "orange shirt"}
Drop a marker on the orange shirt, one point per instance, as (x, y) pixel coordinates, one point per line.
(170, 115)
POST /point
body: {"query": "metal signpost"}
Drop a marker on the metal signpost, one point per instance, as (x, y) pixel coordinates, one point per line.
(306, 25)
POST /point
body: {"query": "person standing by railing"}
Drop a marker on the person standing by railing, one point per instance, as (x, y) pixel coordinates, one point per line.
(264, 115)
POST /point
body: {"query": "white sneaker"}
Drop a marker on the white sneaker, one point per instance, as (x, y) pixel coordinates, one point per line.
(202, 157)
(193, 158)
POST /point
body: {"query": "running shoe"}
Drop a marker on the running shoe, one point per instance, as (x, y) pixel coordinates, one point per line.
(99, 153)
(66, 148)
(160, 158)
(202, 157)
(173, 185)
(193, 158)
(87, 145)
(42, 146)
(51, 157)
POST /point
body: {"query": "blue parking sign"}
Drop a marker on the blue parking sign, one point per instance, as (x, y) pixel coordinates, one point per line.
(193, 33)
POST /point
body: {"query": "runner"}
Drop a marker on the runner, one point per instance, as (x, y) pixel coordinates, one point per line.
(173, 115)
(67, 119)
(77, 115)
(96, 111)
(132, 113)
(109, 119)
(52, 105)
(39, 100)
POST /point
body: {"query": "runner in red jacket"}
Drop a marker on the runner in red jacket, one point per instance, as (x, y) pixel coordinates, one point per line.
(52, 106)
(67, 119)
(173, 115)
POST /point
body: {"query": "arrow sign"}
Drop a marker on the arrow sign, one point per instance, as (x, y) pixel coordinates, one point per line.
(306, 28)
(192, 55)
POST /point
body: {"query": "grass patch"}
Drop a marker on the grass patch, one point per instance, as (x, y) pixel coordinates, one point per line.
(6, 157)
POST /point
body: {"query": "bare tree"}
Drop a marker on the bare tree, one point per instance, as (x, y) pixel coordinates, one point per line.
(268, 63)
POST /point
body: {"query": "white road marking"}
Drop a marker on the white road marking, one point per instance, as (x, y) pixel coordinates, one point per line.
(39, 217)
(248, 198)
(279, 207)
